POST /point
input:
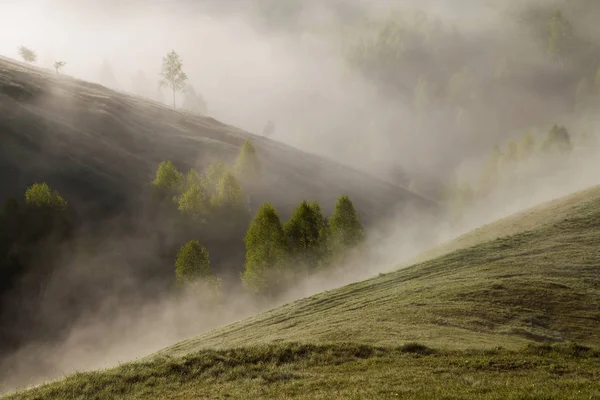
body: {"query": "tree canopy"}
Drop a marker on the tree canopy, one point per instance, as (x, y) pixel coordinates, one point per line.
(41, 196)
(194, 201)
(168, 179)
(558, 138)
(266, 251)
(248, 167)
(27, 54)
(172, 73)
(307, 234)
(346, 229)
(192, 263)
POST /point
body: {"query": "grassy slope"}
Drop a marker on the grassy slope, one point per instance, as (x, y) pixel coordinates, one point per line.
(542, 283)
(343, 371)
(97, 145)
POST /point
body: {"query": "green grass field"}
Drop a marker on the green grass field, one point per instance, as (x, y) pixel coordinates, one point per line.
(499, 309)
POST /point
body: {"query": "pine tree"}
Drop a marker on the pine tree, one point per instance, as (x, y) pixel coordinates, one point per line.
(194, 202)
(323, 245)
(306, 233)
(214, 173)
(194, 178)
(192, 264)
(40, 195)
(557, 139)
(228, 195)
(168, 181)
(248, 166)
(266, 252)
(347, 231)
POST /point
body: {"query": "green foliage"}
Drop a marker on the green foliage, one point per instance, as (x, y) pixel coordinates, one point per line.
(266, 252)
(194, 202)
(307, 235)
(248, 166)
(27, 54)
(39, 195)
(192, 264)
(558, 139)
(228, 195)
(194, 178)
(172, 73)
(214, 173)
(168, 181)
(347, 231)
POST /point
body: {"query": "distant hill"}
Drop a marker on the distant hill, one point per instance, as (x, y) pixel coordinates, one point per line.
(100, 148)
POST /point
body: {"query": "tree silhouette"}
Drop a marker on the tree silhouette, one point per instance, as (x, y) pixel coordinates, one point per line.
(58, 65)
(172, 74)
(27, 54)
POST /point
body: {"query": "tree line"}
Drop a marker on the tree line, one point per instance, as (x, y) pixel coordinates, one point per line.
(503, 166)
(275, 252)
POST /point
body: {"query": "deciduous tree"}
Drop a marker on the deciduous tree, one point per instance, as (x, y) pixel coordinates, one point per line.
(347, 231)
(266, 252)
(172, 74)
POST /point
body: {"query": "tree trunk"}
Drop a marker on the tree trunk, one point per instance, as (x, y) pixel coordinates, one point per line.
(174, 97)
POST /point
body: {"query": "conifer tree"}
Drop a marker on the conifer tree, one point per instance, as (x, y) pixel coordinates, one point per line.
(248, 166)
(214, 173)
(194, 178)
(168, 181)
(557, 139)
(266, 252)
(194, 201)
(40, 195)
(346, 229)
(323, 247)
(306, 234)
(228, 195)
(192, 264)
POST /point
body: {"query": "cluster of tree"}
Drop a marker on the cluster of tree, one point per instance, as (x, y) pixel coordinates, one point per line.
(216, 201)
(277, 252)
(401, 54)
(216, 194)
(502, 166)
(30, 234)
(30, 56)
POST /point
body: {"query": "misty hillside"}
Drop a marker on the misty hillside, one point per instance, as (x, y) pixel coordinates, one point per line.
(535, 287)
(537, 281)
(100, 148)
